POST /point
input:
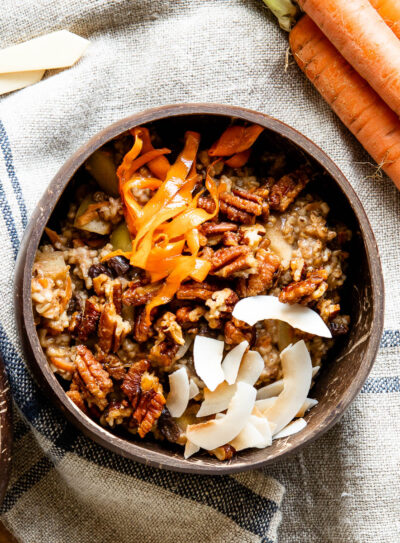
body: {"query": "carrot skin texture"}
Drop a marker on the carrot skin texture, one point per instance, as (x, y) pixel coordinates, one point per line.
(358, 106)
(360, 34)
(389, 10)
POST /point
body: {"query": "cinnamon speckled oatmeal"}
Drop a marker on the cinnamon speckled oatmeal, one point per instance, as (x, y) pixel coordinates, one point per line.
(116, 319)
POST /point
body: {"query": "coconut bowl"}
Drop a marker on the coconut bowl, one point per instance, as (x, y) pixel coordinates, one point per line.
(5, 431)
(349, 361)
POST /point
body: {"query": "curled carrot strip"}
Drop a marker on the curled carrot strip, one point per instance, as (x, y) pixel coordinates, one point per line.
(235, 139)
(239, 159)
(158, 166)
(123, 171)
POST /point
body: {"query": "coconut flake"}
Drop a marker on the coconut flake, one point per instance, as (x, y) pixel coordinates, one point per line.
(193, 389)
(217, 400)
(297, 371)
(247, 438)
(292, 428)
(184, 348)
(257, 308)
(307, 405)
(265, 403)
(190, 449)
(231, 363)
(215, 433)
(275, 388)
(178, 396)
(207, 355)
(251, 367)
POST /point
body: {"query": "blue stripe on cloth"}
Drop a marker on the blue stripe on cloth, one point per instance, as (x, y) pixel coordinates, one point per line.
(8, 159)
(390, 338)
(382, 385)
(9, 220)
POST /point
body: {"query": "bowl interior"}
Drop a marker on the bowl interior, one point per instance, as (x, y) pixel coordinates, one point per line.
(348, 363)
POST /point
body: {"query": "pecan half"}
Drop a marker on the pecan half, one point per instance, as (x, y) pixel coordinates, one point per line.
(268, 265)
(230, 260)
(186, 316)
(230, 239)
(285, 191)
(303, 292)
(141, 330)
(137, 294)
(112, 329)
(195, 291)
(237, 331)
(163, 353)
(212, 228)
(206, 203)
(263, 193)
(113, 365)
(131, 385)
(92, 376)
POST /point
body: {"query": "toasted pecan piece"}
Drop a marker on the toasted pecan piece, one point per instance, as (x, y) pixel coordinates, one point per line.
(116, 412)
(263, 193)
(195, 291)
(149, 410)
(268, 265)
(167, 326)
(286, 190)
(231, 260)
(221, 305)
(91, 378)
(131, 385)
(230, 239)
(141, 330)
(187, 316)
(210, 228)
(112, 364)
(87, 324)
(303, 292)
(137, 294)
(226, 452)
(75, 395)
(236, 331)
(112, 329)
(206, 203)
(328, 309)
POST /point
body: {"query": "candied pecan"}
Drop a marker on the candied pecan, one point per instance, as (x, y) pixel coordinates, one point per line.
(112, 329)
(76, 396)
(225, 452)
(338, 328)
(206, 203)
(116, 412)
(252, 235)
(112, 364)
(207, 253)
(93, 376)
(195, 291)
(243, 200)
(141, 330)
(303, 292)
(260, 282)
(298, 268)
(230, 260)
(168, 427)
(188, 315)
(263, 193)
(150, 404)
(221, 304)
(131, 385)
(163, 353)
(137, 294)
(117, 297)
(237, 331)
(235, 214)
(168, 326)
(230, 239)
(285, 191)
(210, 228)
(88, 323)
(327, 309)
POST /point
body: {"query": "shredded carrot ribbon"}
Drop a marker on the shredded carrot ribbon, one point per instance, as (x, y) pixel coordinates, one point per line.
(167, 225)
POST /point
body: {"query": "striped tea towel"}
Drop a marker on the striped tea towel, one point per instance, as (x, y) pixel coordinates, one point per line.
(64, 488)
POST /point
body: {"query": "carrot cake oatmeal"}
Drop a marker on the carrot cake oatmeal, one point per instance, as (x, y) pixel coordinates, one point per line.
(192, 300)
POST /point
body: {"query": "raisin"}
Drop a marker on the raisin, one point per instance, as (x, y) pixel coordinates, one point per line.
(168, 427)
(119, 265)
(97, 269)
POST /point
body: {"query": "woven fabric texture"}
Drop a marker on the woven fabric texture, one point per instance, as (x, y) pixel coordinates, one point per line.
(144, 54)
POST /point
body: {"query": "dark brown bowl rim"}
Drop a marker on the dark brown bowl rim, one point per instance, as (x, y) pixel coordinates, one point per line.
(27, 330)
(5, 430)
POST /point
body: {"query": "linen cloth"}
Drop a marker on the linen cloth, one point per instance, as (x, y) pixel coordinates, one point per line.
(64, 488)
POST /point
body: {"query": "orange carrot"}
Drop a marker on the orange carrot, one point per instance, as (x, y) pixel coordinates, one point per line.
(360, 34)
(373, 123)
(389, 10)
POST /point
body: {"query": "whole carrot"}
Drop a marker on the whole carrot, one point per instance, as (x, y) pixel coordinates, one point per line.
(364, 113)
(389, 10)
(360, 34)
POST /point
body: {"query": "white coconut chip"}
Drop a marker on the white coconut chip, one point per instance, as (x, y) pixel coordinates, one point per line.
(184, 348)
(190, 449)
(215, 433)
(307, 405)
(275, 388)
(231, 363)
(257, 308)
(207, 355)
(266, 403)
(178, 396)
(292, 428)
(193, 389)
(217, 400)
(297, 371)
(251, 367)
(249, 437)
